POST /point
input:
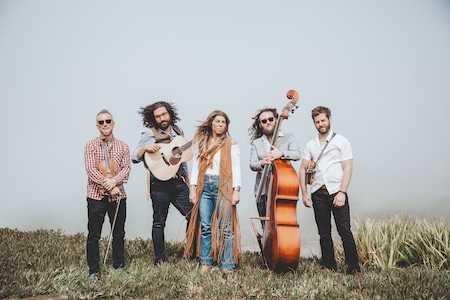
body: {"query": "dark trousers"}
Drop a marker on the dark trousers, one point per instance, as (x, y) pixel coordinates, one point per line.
(163, 193)
(97, 210)
(323, 207)
(261, 205)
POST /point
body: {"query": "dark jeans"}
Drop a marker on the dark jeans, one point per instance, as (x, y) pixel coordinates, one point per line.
(97, 210)
(262, 208)
(163, 193)
(323, 206)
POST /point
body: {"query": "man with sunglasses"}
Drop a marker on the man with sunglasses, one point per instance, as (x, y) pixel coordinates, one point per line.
(107, 162)
(160, 120)
(263, 153)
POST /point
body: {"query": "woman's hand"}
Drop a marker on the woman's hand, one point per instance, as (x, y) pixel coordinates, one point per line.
(193, 194)
(236, 197)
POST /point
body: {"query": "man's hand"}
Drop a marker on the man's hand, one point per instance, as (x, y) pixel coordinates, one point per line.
(109, 183)
(115, 192)
(152, 148)
(270, 156)
(307, 201)
(339, 199)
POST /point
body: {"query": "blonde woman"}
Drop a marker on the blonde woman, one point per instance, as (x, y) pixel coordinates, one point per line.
(213, 233)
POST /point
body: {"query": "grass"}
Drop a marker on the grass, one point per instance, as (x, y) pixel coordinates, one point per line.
(401, 259)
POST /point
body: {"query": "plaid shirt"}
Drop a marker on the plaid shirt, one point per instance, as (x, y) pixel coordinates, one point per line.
(119, 153)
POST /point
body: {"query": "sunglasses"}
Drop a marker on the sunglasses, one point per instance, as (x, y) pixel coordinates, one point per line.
(101, 122)
(265, 120)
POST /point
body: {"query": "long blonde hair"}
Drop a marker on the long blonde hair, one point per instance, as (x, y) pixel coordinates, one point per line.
(203, 134)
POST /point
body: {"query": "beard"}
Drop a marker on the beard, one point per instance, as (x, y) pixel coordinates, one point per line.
(269, 131)
(324, 130)
(164, 125)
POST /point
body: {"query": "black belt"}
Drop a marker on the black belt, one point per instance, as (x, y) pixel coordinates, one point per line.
(155, 180)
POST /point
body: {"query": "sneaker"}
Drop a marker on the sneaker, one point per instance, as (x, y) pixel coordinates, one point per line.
(91, 277)
(123, 272)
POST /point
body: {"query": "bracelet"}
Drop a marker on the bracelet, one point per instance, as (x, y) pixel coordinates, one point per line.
(343, 192)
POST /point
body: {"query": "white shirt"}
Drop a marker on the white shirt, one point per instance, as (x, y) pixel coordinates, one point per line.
(329, 168)
(215, 169)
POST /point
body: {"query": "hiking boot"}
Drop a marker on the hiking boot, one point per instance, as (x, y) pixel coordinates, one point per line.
(356, 274)
(160, 262)
(205, 268)
(228, 271)
(328, 270)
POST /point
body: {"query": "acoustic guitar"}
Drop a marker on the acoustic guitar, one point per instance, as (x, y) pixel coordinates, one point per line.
(165, 163)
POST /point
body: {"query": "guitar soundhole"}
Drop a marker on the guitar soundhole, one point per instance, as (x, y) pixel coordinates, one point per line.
(176, 152)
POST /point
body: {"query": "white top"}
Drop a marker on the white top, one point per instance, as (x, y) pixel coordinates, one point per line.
(214, 170)
(329, 168)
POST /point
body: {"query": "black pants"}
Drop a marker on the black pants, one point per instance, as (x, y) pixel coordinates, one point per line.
(97, 210)
(323, 207)
(163, 193)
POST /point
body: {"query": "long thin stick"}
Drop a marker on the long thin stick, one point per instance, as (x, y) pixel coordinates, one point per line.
(259, 237)
(112, 229)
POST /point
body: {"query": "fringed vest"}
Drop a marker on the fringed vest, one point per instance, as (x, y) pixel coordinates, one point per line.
(223, 223)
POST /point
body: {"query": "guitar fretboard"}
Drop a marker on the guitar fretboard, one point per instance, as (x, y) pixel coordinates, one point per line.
(186, 146)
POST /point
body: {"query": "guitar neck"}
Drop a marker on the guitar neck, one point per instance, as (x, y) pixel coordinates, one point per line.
(186, 146)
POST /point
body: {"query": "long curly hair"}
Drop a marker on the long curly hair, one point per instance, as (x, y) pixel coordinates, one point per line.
(148, 117)
(255, 131)
(203, 134)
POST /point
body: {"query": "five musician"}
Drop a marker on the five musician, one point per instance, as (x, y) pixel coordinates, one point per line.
(208, 197)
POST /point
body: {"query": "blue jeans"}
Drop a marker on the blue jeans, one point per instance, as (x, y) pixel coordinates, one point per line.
(97, 210)
(323, 207)
(163, 193)
(207, 205)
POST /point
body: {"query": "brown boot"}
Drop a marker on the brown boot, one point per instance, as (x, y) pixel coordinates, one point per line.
(205, 268)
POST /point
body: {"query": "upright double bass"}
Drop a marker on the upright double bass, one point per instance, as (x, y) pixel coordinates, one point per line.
(281, 236)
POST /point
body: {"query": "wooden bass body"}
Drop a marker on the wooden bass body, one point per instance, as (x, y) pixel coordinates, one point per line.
(281, 239)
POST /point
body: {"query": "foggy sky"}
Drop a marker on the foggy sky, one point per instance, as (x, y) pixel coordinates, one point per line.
(383, 67)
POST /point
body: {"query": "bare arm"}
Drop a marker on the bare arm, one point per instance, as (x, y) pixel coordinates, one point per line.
(305, 196)
(347, 166)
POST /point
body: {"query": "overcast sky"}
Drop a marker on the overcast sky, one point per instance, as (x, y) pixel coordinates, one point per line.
(383, 67)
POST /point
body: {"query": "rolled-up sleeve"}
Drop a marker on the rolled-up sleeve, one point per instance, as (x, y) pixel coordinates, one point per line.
(147, 137)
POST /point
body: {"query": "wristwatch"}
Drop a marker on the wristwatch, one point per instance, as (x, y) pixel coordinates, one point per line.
(238, 188)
